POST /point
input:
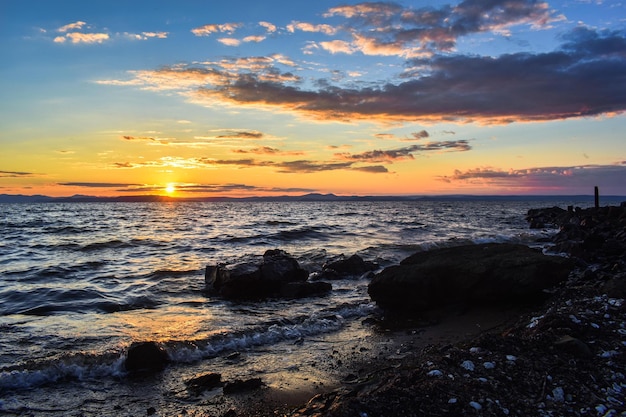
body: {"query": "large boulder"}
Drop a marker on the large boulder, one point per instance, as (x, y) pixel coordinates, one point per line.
(278, 275)
(471, 274)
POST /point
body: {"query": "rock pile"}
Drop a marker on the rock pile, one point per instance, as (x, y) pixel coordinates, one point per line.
(278, 275)
(591, 234)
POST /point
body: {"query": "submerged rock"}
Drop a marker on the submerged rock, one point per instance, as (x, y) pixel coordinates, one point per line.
(487, 273)
(278, 275)
(145, 357)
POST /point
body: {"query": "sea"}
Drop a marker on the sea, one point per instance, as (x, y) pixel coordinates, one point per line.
(80, 282)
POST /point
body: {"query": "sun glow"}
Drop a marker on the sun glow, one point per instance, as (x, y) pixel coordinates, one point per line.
(170, 188)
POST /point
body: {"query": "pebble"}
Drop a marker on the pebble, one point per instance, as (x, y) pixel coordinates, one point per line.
(468, 365)
(475, 405)
(511, 358)
(435, 372)
(489, 365)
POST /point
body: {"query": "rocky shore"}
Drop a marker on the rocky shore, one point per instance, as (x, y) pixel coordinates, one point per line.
(563, 356)
(479, 330)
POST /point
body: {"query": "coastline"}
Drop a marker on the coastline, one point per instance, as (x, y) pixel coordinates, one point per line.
(564, 357)
(367, 365)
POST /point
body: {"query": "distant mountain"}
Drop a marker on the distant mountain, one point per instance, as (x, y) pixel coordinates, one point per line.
(19, 198)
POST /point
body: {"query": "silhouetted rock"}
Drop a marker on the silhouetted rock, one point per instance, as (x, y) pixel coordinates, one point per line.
(591, 234)
(145, 357)
(487, 273)
(239, 385)
(352, 266)
(278, 275)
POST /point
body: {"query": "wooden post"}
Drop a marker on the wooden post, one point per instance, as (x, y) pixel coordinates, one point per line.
(597, 196)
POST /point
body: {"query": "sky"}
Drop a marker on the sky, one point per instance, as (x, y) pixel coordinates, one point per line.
(235, 98)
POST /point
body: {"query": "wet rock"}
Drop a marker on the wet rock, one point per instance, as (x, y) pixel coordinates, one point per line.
(239, 385)
(304, 289)
(145, 357)
(352, 266)
(278, 274)
(204, 382)
(279, 266)
(488, 273)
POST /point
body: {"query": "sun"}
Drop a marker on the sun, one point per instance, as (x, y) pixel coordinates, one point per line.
(170, 188)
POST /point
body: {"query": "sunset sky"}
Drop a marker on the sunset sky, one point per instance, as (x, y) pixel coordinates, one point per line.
(247, 97)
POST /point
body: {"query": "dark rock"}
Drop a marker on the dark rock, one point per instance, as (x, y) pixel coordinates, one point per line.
(591, 234)
(615, 287)
(204, 382)
(253, 281)
(151, 411)
(279, 266)
(573, 346)
(145, 357)
(352, 266)
(487, 273)
(304, 289)
(239, 385)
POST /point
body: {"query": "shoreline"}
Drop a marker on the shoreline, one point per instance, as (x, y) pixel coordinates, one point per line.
(564, 357)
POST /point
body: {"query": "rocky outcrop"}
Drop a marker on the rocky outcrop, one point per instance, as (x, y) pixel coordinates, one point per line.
(470, 274)
(278, 275)
(145, 357)
(591, 234)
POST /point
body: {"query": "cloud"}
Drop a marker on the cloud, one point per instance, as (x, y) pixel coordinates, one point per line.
(15, 174)
(513, 87)
(159, 35)
(517, 87)
(385, 28)
(271, 28)
(229, 41)
(239, 134)
(72, 26)
(227, 188)
(77, 37)
(267, 150)
(392, 155)
(254, 38)
(207, 30)
(556, 178)
(309, 27)
(160, 141)
(420, 135)
(98, 184)
(338, 46)
(296, 166)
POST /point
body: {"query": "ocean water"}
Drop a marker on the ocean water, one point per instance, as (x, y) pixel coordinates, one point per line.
(79, 282)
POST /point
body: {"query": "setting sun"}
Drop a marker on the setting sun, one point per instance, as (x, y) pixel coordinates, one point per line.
(170, 188)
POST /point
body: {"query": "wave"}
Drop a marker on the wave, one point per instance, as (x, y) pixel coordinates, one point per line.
(282, 236)
(48, 301)
(83, 366)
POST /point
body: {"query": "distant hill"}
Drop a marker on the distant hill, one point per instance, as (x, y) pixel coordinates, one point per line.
(19, 198)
